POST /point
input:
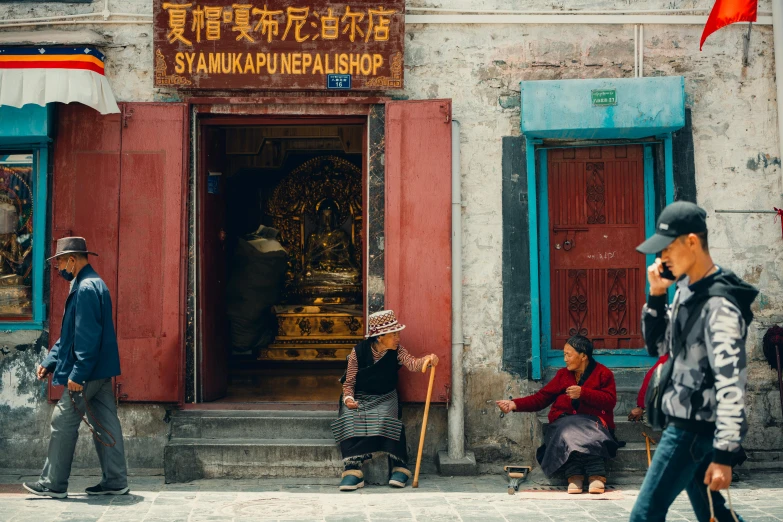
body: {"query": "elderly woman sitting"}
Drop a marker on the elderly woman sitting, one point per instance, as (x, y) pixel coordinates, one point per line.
(583, 397)
(370, 411)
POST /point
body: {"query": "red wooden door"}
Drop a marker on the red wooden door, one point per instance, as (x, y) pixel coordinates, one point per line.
(85, 199)
(150, 289)
(418, 236)
(596, 219)
(212, 255)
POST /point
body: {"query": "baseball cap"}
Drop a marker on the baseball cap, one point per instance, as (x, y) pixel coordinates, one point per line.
(677, 219)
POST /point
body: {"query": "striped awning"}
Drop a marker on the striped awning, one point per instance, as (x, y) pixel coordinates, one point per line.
(41, 75)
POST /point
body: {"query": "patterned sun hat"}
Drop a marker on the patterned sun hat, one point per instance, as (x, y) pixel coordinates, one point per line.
(383, 322)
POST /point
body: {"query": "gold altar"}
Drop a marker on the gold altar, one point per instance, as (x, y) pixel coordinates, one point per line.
(318, 210)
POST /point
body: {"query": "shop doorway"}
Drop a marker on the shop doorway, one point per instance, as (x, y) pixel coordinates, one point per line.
(281, 257)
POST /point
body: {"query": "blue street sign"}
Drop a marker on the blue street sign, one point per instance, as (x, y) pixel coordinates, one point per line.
(338, 81)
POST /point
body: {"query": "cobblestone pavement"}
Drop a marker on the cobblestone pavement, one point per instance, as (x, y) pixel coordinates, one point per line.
(484, 499)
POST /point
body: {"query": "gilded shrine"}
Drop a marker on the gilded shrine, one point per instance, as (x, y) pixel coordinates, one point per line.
(318, 210)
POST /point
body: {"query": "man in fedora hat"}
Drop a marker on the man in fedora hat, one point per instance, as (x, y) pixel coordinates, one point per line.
(84, 359)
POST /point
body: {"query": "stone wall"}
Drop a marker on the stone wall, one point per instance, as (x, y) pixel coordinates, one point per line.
(479, 67)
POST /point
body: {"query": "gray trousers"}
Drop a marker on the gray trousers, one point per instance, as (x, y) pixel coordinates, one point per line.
(65, 433)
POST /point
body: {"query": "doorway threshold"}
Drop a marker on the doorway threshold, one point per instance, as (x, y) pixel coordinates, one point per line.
(268, 406)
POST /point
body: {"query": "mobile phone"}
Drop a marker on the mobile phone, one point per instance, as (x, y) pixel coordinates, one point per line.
(667, 274)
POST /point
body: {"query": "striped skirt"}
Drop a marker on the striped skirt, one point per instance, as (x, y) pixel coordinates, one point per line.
(374, 426)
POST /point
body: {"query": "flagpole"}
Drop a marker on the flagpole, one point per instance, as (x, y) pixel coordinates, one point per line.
(777, 34)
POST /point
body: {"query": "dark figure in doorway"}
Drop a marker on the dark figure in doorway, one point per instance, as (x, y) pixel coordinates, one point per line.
(579, 439)
(328, 256)
(370, 411)
(254, 287)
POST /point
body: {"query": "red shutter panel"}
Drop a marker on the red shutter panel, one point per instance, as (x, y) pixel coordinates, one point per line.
(85, 198)
(418, 236)
(150, 287)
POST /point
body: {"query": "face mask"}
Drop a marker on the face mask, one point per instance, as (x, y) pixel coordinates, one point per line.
(65, 274)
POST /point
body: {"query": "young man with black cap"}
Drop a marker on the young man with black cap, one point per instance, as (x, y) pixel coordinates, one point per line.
(704, 332)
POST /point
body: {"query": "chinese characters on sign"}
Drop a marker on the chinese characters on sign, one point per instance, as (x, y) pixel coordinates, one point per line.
(223, 45)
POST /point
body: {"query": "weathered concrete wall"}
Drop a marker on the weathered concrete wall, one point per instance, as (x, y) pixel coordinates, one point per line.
(479, 67)
(26, 412)
(737, 167)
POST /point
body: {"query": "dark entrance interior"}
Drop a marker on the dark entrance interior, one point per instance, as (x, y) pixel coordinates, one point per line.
(280, 258)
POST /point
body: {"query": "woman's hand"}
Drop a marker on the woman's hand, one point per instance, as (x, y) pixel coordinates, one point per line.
(636, 414)
(351, 403)
(430, 360)
(574, 392)
(506, 406)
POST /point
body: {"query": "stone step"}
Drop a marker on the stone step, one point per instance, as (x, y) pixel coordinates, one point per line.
(632, 457)
(187, 459)
(252, 424)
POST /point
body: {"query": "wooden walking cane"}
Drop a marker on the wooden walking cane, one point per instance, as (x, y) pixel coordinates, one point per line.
(647, 441)
(424, 424)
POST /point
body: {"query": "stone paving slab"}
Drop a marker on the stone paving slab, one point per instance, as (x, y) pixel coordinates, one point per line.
(481, 499)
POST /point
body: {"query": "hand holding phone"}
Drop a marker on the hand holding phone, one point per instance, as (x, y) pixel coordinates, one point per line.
(657, 276)
(666, 273)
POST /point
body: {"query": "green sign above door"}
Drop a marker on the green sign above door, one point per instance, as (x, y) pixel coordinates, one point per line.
(604, 97)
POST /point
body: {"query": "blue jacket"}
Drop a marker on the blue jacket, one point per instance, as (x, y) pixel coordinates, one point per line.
(87, 347)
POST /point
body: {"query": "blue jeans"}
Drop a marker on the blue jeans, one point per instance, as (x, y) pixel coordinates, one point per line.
(680, 462)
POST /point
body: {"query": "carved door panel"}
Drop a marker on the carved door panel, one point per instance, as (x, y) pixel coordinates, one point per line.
(596, 219)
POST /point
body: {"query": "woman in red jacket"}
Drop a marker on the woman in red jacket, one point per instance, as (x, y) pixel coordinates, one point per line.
(579, 438)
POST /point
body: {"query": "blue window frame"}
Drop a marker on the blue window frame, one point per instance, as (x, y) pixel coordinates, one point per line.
(24, 162)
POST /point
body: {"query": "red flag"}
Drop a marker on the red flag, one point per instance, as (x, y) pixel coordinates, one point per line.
(726, 12)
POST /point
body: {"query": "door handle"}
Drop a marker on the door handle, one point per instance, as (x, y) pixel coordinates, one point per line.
(568, 244)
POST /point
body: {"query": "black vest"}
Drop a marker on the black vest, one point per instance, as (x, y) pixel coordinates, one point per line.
(375, 378)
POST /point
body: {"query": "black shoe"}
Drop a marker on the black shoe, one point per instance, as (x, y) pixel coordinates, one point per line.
(100, 490)
(37, 489)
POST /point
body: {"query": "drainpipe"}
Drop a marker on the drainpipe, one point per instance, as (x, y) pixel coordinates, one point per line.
(457, 405)
(456, 461)
(777, 34)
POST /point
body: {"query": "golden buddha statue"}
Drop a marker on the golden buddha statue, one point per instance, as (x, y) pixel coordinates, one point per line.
(328, 254)
(317, 208)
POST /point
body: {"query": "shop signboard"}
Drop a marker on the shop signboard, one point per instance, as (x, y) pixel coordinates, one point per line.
(274, 45)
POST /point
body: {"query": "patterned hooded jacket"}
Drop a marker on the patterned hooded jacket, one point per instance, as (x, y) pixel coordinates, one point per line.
(707, 388)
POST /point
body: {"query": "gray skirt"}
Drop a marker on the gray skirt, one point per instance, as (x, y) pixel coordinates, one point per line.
(584, 434)
(377, 416)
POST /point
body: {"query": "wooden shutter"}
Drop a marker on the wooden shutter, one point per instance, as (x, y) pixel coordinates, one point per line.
(151, 263)
(418, 236)
(85, 198)
(119, 182)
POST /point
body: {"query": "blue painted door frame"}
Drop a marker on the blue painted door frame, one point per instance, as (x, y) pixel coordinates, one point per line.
(537, 179)
(28, 130)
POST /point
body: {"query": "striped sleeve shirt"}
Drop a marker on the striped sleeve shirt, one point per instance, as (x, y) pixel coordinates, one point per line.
(403, 357)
